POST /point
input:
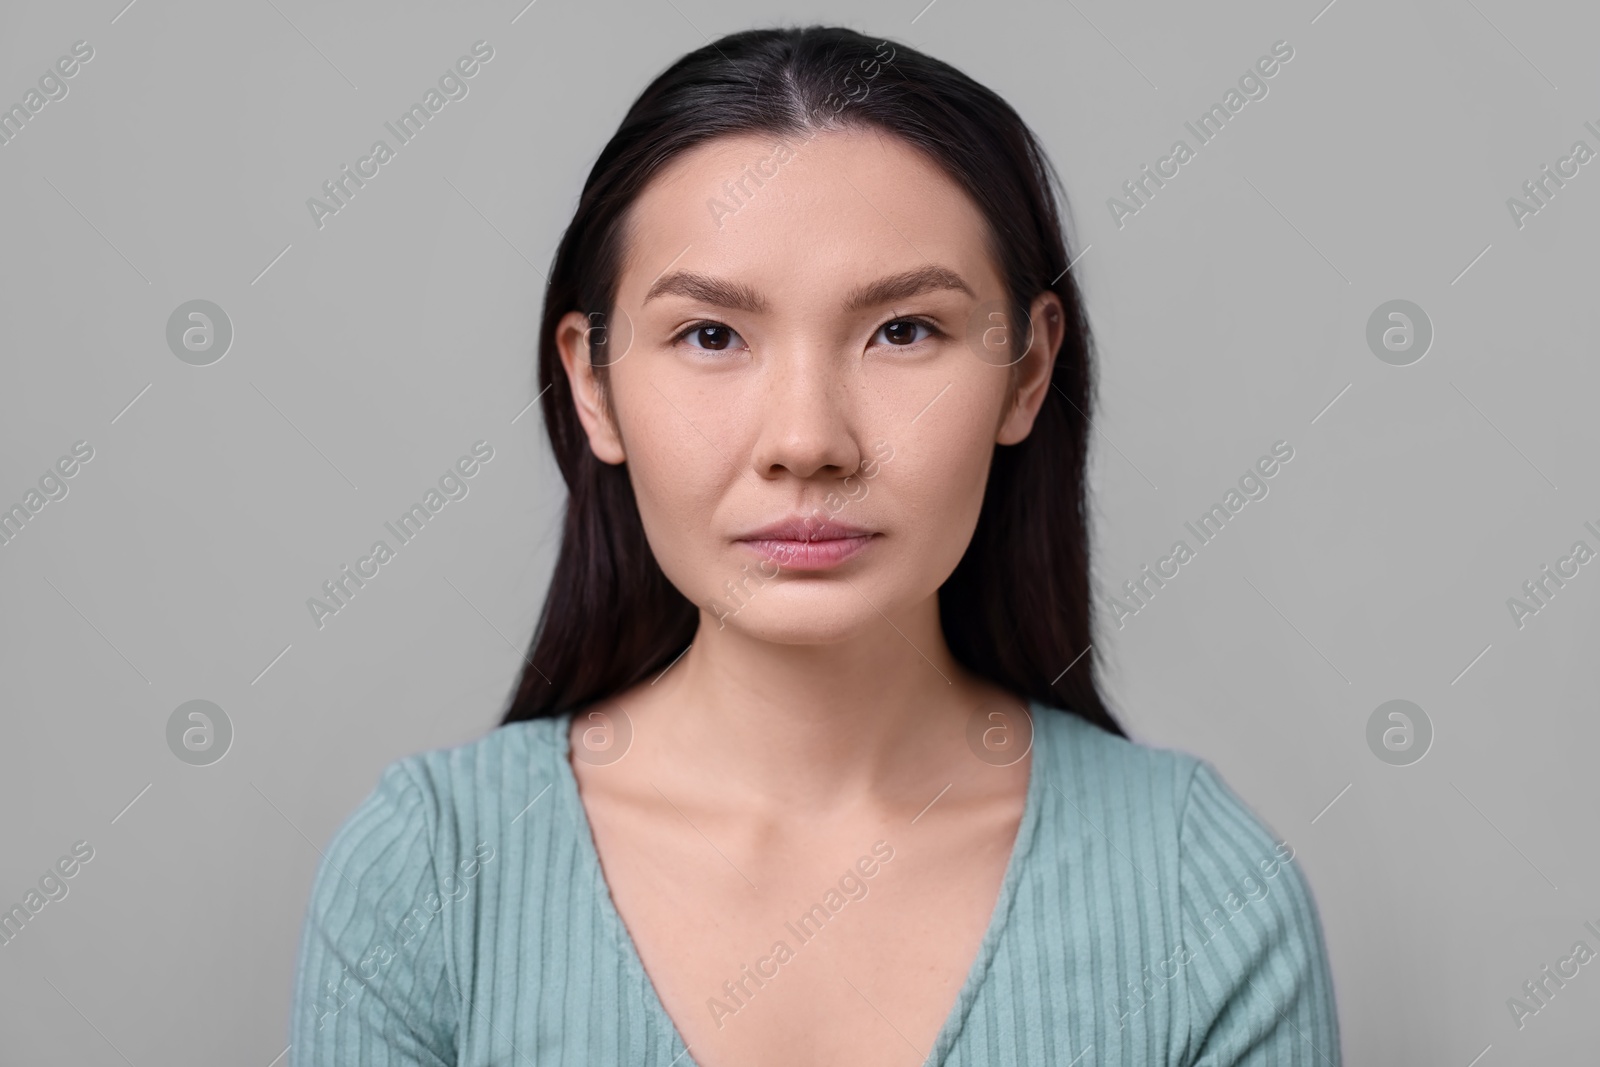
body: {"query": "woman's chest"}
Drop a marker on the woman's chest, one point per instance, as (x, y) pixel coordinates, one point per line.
(867, 957)
(825, 977)
(847, 948)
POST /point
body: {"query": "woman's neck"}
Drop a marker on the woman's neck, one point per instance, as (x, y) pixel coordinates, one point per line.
(823, 726)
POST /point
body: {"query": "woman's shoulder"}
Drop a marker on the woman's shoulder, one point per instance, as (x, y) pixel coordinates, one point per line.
(439, 805)
(495, 768)
(1173, 807)
(397, 894)
(1088, 764)
(1154, 843)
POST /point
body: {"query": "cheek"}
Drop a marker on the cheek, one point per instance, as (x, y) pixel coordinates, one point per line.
(936, 481)
(676, 447)
(676, 507)
(675, 433)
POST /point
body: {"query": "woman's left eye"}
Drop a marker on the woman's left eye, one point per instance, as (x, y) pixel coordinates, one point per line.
(903, 332)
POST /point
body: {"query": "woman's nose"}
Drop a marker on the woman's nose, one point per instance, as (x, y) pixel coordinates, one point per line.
(806, 415)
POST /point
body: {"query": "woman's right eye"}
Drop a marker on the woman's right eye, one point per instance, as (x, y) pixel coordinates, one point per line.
(709, 336)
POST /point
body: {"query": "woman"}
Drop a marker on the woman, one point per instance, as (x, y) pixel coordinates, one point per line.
(808, 764)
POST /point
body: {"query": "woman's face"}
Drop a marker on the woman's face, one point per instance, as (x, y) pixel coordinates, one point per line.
(822, 346)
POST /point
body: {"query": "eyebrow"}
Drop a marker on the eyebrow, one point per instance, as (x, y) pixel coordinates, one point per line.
(740, 297)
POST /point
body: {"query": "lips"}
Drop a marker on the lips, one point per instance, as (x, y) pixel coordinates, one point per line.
(805, 528)
(805, 543)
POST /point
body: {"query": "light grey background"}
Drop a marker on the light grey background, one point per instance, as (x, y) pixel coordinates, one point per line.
(368, 355)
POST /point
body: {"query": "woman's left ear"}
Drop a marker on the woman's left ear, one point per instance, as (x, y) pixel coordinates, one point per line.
(1031, 375)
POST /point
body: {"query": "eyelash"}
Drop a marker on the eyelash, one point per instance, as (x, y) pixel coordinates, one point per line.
(933, 330)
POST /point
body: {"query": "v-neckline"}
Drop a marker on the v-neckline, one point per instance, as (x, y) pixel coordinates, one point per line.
(977, 972)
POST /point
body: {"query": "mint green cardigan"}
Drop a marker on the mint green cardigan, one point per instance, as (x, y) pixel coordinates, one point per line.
(1146, 916)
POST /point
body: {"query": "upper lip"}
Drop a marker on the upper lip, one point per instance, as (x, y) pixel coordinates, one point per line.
(799, 527)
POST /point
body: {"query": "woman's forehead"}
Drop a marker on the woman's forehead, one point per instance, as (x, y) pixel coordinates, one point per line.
(837, 209)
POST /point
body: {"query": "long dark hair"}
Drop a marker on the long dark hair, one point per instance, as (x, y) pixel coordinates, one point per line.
(1017, 609)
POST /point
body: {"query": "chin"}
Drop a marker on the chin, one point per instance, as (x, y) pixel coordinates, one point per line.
(781, 618)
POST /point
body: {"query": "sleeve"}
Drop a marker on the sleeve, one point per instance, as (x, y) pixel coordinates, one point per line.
(373, 986)
(1259, 987)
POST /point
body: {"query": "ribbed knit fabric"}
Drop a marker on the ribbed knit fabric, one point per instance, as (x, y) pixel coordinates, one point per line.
(1146, 916)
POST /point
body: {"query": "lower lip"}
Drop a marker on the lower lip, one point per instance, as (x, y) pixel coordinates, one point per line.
(809, 555)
